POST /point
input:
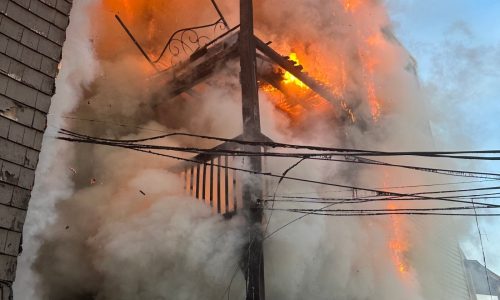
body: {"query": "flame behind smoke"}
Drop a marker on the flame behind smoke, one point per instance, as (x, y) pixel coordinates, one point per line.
(398, 243)
(351, 5)
(340, 44)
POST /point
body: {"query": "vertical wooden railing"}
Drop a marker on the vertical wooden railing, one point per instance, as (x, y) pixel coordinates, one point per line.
(213, 183)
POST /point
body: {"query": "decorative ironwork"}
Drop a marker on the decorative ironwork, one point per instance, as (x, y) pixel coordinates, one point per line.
(184, 42)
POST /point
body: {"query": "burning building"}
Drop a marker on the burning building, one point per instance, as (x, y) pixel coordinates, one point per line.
(121, 225)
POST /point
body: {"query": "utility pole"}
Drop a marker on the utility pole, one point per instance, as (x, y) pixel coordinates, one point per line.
(253, 258)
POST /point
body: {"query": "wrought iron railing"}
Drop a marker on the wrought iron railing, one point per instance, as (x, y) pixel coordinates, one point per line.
(183, 42)
(186, 41)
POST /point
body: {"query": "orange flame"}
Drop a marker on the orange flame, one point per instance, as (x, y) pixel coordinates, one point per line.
(300, 101)
(369, 63)
(351, 5)
(288, 78)
(398, 243)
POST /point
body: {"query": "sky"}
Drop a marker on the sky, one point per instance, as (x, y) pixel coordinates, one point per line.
(456, 44)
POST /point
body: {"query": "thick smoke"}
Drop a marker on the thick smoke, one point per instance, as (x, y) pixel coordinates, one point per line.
(53, 177)
(125, 230)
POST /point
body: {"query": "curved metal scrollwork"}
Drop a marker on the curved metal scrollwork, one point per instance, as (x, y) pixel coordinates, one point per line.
(188, 40)
(184, 41)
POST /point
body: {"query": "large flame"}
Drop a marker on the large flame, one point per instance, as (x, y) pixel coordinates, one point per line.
(296, 99)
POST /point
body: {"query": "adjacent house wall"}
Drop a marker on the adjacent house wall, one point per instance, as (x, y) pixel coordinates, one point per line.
(32, 33)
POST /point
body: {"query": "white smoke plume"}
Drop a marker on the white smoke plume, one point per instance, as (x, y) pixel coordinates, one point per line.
(53, 176)
(127, 231)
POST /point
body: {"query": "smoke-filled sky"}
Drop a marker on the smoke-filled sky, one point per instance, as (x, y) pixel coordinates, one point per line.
(457, 46)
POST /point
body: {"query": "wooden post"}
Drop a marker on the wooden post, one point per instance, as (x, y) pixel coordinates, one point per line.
(253, 258)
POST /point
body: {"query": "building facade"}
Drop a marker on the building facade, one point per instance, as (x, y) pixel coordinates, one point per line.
(480, 287)
(32, 33)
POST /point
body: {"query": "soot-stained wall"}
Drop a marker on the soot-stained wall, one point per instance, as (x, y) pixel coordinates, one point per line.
(32, 33)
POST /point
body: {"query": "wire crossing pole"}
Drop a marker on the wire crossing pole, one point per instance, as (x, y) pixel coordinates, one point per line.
(253, 257)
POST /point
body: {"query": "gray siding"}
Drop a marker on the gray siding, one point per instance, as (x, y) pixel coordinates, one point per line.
(444, 275)
(32, 33)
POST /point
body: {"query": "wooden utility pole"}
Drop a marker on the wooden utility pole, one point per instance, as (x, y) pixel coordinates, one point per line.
(253, 258)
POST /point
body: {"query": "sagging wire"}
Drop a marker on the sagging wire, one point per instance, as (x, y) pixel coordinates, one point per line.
(276, 190)
(75, 137)
(268, 174)
(332, 151)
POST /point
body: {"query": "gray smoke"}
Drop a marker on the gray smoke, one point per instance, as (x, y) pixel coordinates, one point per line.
(124, 228)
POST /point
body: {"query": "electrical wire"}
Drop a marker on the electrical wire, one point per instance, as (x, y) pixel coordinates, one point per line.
(271, 174)
(334, 151)
(360, 201)
(276, 190)
(388, 210)
(88, 139)
(391, 188)
(482, 247)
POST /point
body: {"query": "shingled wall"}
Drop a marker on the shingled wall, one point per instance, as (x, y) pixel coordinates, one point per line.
(32, 33)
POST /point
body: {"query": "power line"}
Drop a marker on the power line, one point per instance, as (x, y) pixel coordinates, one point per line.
(358, 201)
(295, 220)
(388, 210)
(318, 213)
(391, 188)
(87, 139)
(127, 146)
(460, 173)
(276, 189)
(482, 247)
(112, 123)
(331, 151)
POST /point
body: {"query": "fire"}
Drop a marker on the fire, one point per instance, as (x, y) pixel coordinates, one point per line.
(398, 243)
(288, 78)
(151, 22)
(295, 99)
(369, 64)
(373, 101)
(351, 5)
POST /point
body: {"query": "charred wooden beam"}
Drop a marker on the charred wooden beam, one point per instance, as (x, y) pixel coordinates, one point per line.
(296, 70)
(201, 65)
